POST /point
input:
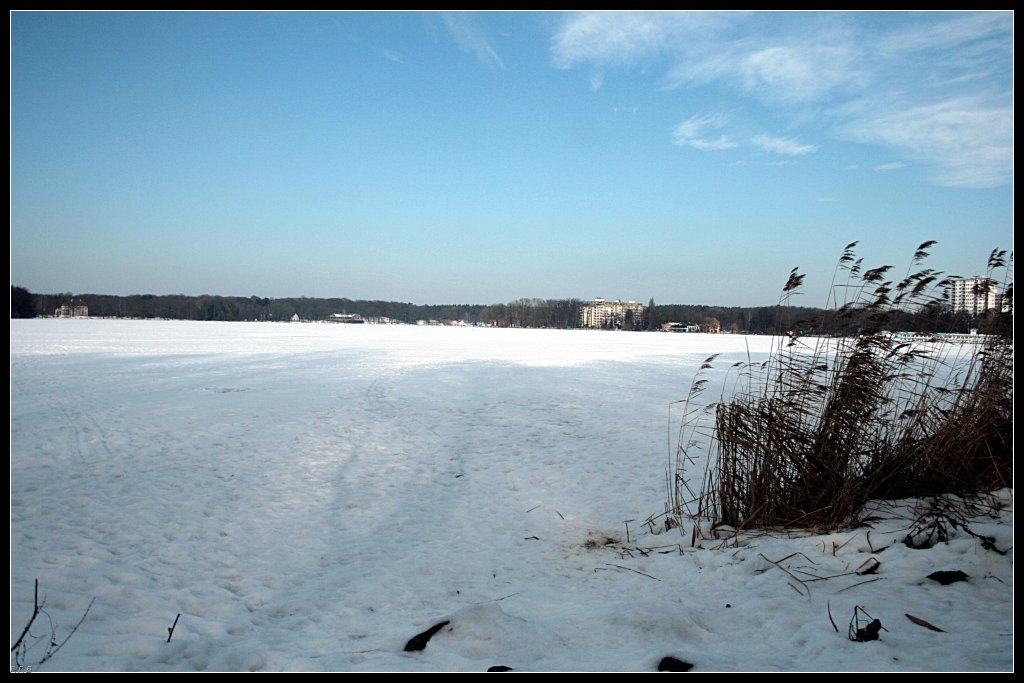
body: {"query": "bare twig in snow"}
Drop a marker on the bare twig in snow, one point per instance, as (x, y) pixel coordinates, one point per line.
(170, 629)
(619, 566)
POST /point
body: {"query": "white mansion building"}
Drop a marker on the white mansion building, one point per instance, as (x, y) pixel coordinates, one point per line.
(76, 308)
(611, 314)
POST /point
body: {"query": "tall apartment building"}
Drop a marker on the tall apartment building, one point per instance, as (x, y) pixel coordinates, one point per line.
(974, 295)
(611, 314)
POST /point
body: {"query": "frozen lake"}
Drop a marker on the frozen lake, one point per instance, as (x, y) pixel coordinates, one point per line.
(310, 496)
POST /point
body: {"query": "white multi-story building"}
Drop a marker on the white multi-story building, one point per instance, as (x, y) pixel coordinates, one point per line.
(974, 295)
(611, 314)
(76, 308)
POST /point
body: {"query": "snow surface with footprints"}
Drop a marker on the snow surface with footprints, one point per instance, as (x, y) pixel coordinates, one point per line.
(311, 496)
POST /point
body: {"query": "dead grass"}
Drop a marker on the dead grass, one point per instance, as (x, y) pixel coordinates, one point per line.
(830, 422)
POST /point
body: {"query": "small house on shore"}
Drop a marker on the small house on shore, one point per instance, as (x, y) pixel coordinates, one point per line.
(350, 318)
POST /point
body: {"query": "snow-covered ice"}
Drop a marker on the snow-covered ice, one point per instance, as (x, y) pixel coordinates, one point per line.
(310, 497)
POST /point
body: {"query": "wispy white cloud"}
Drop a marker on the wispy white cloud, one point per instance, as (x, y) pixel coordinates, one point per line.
(802, 73)
(936, 87)
(622, 38)
(891, 166)
(392, 56)
(693, 126)
(719, 143)
(468, 35)
(778, 73)
(692, 133)
(968, 141)
(786, 146)
(956, 37)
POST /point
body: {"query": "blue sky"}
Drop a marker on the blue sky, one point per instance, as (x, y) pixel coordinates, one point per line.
(480, 158)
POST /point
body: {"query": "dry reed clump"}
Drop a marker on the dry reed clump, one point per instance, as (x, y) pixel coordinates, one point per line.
(831, 422)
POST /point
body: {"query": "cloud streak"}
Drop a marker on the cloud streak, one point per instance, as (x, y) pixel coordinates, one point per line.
(471, 38)
(936, 87)
(968, 142)
(786, 146)
(691, 133)
(622, 38)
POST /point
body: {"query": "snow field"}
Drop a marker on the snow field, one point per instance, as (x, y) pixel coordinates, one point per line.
(309, 497)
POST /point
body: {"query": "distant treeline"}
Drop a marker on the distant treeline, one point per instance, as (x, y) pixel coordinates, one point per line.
(550, 313)
(240, 308)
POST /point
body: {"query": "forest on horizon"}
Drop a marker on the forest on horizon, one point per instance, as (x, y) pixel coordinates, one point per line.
(544, 313)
